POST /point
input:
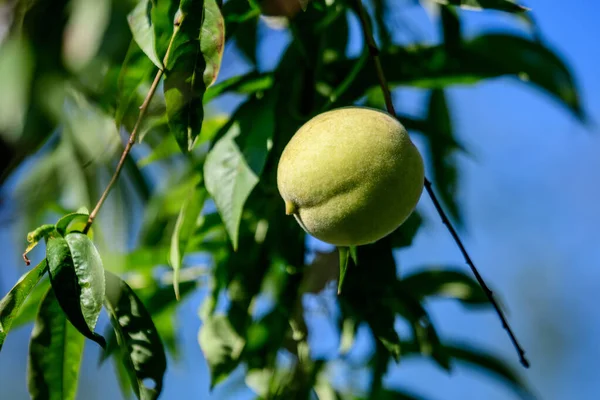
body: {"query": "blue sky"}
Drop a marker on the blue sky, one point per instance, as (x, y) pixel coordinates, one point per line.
(529, 197)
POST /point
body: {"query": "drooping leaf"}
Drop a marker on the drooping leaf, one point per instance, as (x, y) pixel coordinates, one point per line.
(404, 235)
(184, 228)
(55, 353)
(221, 347)
(502, 5)
(77, 277)
(235, 163)
(30, 306)
(192, 66)
(485, 361)
(246, 39)
(442, 147)
(141, 25)
(445, 282)
(483, 57)
(141, 348)
(10, 305)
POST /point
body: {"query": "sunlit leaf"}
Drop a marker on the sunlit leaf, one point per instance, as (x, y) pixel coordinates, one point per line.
(78, 217)
(184, 228)
(221, 347)
(192, 66)
(77, 277)
(141, 348)
(55, 353)
(235, 163)
(140, 23)
(10, 305)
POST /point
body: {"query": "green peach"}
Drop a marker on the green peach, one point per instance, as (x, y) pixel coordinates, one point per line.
(350, 176)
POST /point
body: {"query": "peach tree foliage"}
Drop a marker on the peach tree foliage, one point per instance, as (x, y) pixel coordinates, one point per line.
(201, 185)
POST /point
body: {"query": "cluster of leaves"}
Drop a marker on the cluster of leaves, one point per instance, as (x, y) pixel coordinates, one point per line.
(217, 192)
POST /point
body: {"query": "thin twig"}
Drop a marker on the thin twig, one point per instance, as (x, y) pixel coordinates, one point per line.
(128, 146)
(374, 51)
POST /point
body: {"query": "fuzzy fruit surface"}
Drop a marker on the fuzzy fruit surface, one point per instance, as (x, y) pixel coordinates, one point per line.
(350, 176)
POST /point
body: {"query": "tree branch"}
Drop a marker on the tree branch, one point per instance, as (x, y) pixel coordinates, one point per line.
(374, 51)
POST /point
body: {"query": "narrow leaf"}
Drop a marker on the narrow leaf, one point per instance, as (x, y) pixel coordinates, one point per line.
(235, 163)
(451, 283)
(489, 363)
(10, 305)
(55, 354)
(77, 277)
(184, 229)
(221, 347)
(136, 69)
(192, 66)
(140, 23)
(344, 259)
(502, 5)
(142, 351)
(483, 57)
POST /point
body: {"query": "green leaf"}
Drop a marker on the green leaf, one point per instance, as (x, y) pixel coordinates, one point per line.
(140, 23)
(184, 229)
(250, 83)
(501, 5)
(246, 39)
(394, 394)
(30, 306)
(63, 224)
(142, 351)
(443, 147)
(77, 277)
(404, 235)
(484, 57)
(344, 260)
(55, 354)
(136, 69)
(235, 163)
(221, 347)
(451, 283)
(489, 363)
(192, 66)
(10, 305)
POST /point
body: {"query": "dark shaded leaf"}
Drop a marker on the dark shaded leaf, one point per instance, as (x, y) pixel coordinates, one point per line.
(77, 277)
(235, 163)
(10, 305)
(344, 260)
(141, 348)
(404, 235)
(246, 39)
(221, 347)
(502, 5)
(55, 354)
(237, 12)
(489, 363)
(184, 228)
(395, 394)
(451, 283)
(192, 66)
(484, 57)
(443, 147)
